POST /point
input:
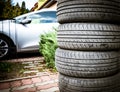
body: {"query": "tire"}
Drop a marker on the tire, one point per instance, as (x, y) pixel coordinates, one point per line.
(119, 60)
(87, 64)
(104, 11)
(62, 3)
(7, 48)
(106, 84)
(88, 36)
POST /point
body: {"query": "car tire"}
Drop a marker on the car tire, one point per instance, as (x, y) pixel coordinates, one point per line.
(72, 84)
(87, 64)
(88, 36)
(7, 48)
(88, 10)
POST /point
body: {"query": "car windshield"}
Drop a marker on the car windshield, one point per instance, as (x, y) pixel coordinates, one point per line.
(40, 17)
(44, 17)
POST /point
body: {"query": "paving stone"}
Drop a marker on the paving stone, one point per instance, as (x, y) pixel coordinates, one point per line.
(33, 68)
(32, 71)
(37, 63)
(56, 80)
(47, 86)
(36, 80)
(4, 86)
(31, 59)
(40, 65)
(32, 89)
(43, 81)
(57, 91)
(15, 83)
(26, 81)
(41, 73)
(54, 76)
(29, 66)
(45, 78)
(23, 87)
(53, 89)
(5, 90)
(47, 82)
(27, 62)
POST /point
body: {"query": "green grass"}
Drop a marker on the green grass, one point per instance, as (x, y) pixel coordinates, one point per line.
(9, 66)
(9, 70)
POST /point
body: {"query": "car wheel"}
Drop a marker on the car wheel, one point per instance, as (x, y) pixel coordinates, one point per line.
(105, 84)
(6, 47)
(88, 10)
(87, 64)
(88, 36)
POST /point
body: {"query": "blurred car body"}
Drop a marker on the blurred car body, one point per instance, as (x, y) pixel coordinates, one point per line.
(22, 34)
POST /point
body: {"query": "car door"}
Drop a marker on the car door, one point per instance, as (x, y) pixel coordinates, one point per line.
(28, 35)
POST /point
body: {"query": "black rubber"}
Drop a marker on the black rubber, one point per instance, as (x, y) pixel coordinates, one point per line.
(87, 64)
(9, 47)
(104, 11)
(88, 36)
(106, 84)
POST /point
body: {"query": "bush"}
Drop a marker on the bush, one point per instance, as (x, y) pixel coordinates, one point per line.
(48, 45)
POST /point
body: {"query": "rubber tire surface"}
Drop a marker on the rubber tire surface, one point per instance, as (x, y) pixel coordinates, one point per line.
(87, 64)
(11, 48)
(119, 60)
(105, 11)
(106, 84)
(88, 36)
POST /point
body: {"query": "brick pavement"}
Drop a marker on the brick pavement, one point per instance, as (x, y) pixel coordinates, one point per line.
(41, 82)
(44, 83)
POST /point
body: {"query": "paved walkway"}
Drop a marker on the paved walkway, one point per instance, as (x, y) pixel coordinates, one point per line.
(41, 82)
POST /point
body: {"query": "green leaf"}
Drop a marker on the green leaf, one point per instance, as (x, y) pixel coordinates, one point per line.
(48, 45)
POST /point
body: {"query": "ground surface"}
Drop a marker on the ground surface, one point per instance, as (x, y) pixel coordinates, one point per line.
(23, 66)
(37, 78)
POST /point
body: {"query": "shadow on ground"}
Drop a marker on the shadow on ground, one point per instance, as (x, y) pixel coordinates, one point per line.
(27, 55)
(24, 55)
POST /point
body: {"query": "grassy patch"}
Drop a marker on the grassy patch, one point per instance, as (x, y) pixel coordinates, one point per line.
(10, 70)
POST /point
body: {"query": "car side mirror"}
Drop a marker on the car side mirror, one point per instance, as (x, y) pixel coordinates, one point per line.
(26, 21)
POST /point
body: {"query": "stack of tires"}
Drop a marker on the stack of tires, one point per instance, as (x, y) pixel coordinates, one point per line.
(89, 41)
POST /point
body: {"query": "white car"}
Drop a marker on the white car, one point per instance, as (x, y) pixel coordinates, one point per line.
(22, 34)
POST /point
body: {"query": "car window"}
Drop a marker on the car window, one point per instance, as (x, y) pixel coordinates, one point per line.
(43, 17)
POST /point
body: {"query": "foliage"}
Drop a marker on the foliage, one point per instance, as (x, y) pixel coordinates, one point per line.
(8, 10)
(9, 66)
(23, 8)
(10, 70)
(2, 5)
(5, 66)
(48, 45)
